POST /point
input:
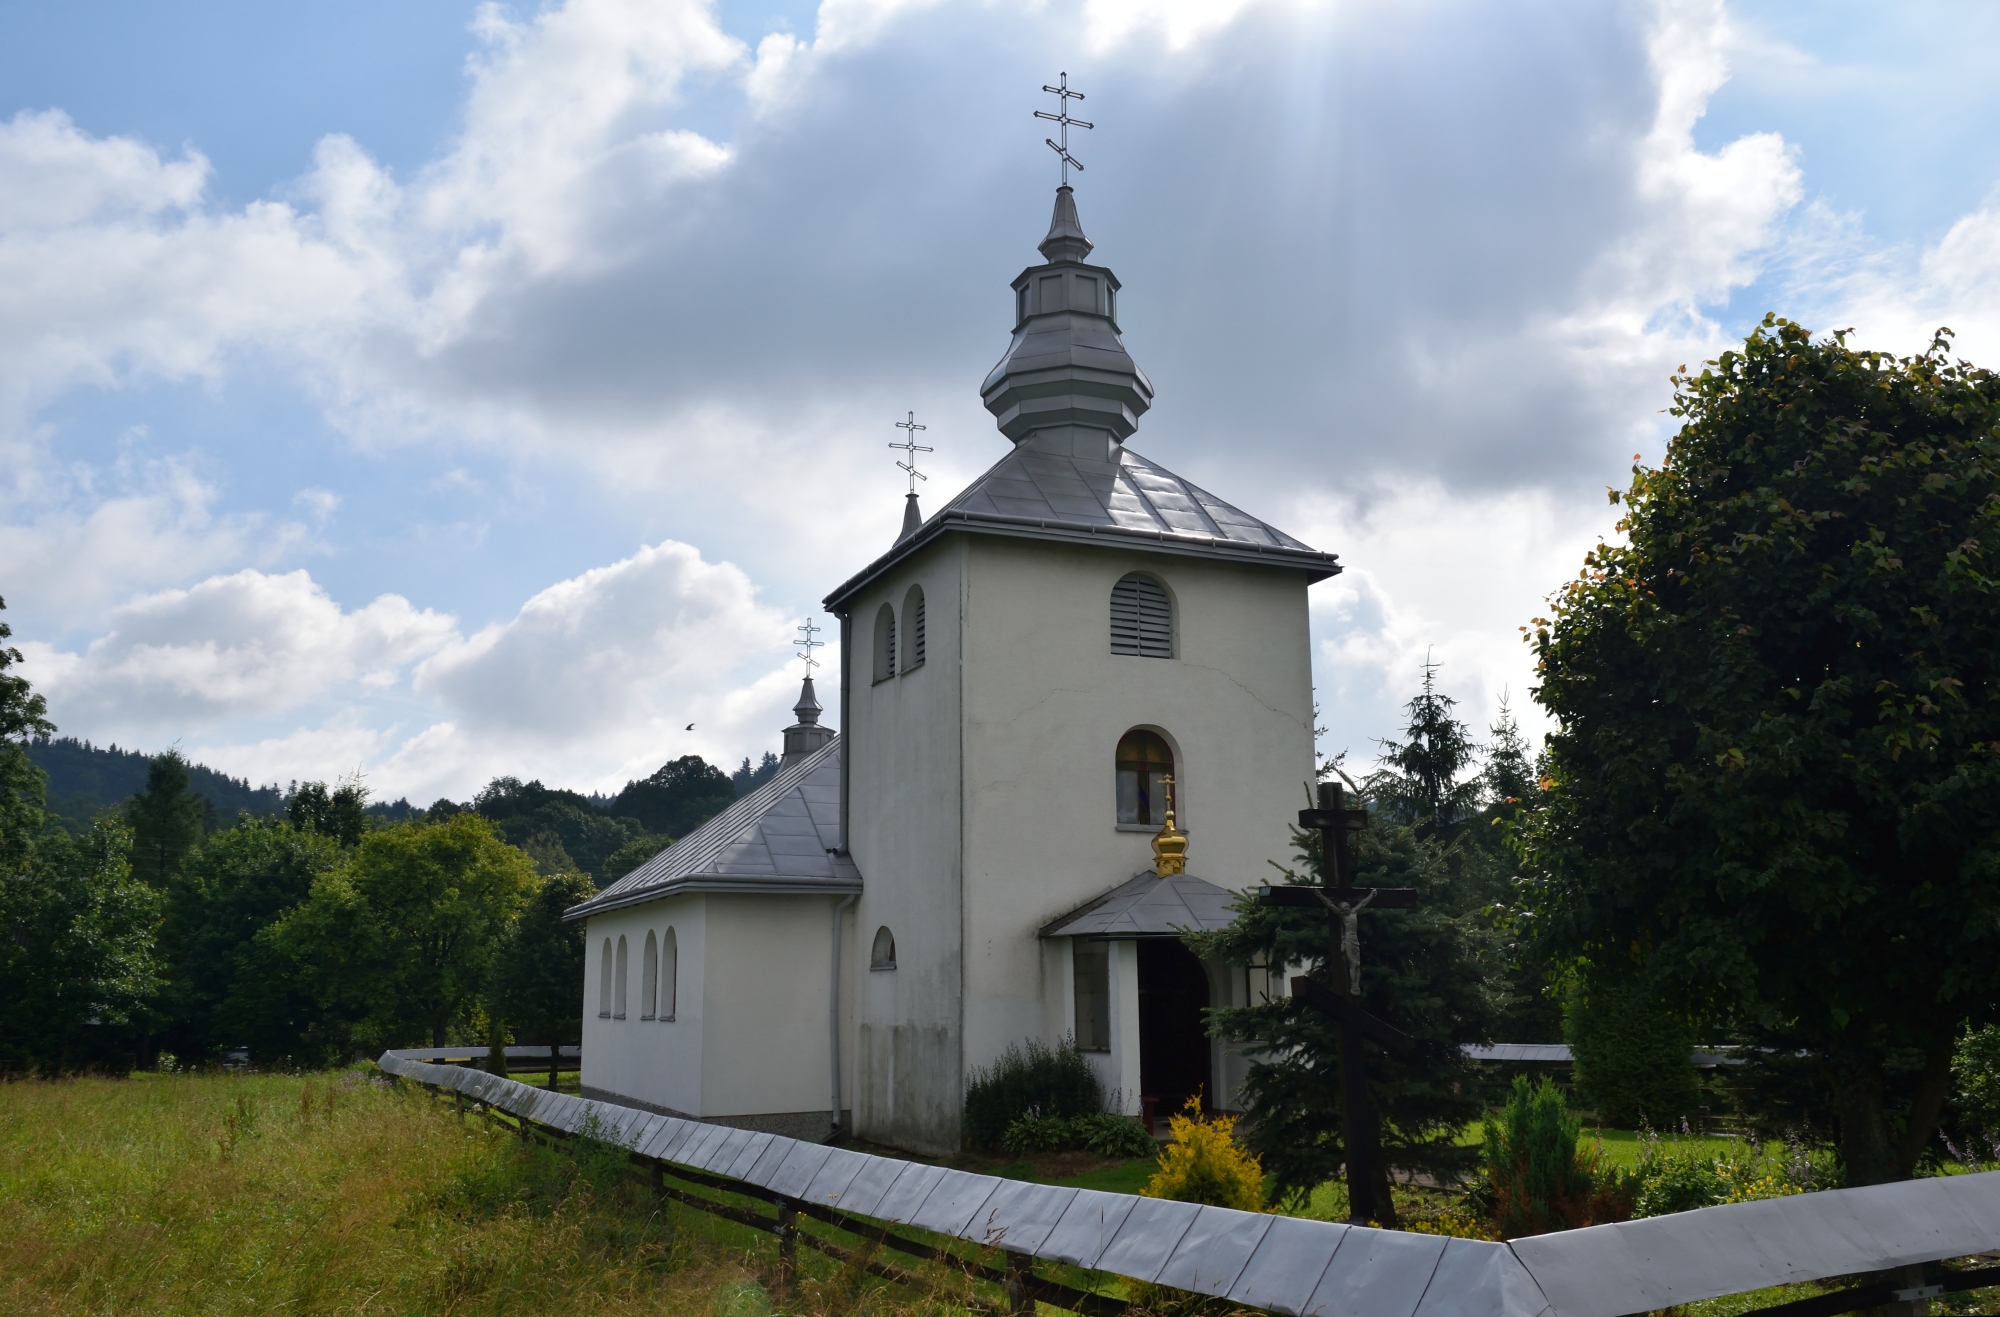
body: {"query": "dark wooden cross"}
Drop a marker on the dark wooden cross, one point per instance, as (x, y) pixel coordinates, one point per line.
(1343, 903)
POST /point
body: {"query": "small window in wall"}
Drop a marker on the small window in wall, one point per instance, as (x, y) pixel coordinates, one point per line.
(670, 975)
(913, 628)
(618, 982)
(883, 954)
(885, 643)
(1093, 995)
(649, 977)
(604, 982)
(1142, 618)
(1144, 763)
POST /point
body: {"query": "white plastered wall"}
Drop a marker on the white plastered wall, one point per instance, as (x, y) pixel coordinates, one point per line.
(903, 751)
(749, 1033)
(657, 1061)
(1045, 705)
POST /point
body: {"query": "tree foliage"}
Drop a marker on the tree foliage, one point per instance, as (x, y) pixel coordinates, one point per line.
(340, 812)
(1424, 778)
(678, 797)
(1632, 1054)
(168, 819)
(76, 931)
(224, 989)
(537, 979)
(1775, 779)
(398, 943)
(1435, 972)
(548, 820)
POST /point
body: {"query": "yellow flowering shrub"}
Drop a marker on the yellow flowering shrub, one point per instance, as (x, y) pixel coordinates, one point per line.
(1764, 1186)
(1204, 1164)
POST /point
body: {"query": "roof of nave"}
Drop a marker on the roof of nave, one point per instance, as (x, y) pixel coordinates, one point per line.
(780, 839)
(1147, 905)
(1126, 501)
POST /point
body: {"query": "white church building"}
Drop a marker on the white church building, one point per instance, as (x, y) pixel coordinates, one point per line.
(977, 858)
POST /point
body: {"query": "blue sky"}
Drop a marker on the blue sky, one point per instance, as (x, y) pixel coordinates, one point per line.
(440, 391)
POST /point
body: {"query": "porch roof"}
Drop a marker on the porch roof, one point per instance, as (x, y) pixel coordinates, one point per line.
(1147, 905)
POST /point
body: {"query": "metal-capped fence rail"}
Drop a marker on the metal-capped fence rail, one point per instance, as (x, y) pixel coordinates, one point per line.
(1281, 1263)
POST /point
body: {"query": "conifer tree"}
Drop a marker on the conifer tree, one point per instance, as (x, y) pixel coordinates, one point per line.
(166, 819)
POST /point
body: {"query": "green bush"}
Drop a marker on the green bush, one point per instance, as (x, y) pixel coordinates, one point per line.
(1632, 1056)
(1029, 1078)
(1538, 1178)
(1975, 1074)
(1100, 1132)
(1678, 1183)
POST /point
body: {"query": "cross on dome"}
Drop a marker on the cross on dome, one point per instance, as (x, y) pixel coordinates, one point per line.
(1064, 96)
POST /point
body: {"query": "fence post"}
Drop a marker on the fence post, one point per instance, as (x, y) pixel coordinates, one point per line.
(1020, 1276)
(788, 1246)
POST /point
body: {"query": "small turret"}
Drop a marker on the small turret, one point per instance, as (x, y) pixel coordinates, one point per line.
(1066, 382)
(806, 735)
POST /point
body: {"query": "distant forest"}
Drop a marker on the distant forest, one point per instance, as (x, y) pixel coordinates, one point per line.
(603, 836)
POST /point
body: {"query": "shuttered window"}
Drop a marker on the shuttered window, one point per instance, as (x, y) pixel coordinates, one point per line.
(913, 628)
(885, 643)
(1142, 620)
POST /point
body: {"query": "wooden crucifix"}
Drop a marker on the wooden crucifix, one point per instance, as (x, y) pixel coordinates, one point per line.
(1343, 903)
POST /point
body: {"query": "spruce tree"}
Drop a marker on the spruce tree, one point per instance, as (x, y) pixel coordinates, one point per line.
(166, 819)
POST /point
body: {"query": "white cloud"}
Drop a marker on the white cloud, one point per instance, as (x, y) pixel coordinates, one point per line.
(242, 646)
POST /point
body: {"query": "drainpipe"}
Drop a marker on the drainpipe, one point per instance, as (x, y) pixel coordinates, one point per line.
(833, 1015)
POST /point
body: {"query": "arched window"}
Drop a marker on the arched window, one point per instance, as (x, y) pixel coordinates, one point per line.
(913, 628)
(618, 982)
(604, 982)
(1142, 618)
(670, 974)
(649, 978)
(883, 955)
(885, 643)
(1144, 762)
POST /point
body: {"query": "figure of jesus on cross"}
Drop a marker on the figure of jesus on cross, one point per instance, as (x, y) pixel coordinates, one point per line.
(1340, 997)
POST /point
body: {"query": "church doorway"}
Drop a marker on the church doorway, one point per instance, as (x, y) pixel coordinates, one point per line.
(1173, 1038)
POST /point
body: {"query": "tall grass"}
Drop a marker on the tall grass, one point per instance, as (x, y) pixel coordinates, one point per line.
(340, 1194)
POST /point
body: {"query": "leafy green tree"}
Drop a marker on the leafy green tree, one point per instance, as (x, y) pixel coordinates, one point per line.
(1775, 780)
(77, 967)
(537, 983)
(631, 855)
(1423, 776)
(397, 944)
(678, 797)
(525, 813)
(1632, 1051)
(76, 931)
(340, 813)
(168, 819)
(223, 990)
(1433, 973)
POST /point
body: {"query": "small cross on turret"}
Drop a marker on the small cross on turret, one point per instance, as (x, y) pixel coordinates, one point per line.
(1061, 148)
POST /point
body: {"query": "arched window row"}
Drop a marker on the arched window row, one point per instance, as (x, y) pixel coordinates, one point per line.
(659, 978)
(1142, 618)
(906, 642)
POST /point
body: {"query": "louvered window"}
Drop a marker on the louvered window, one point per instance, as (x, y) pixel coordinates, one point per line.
(913, 628)
(1142, 619)
(885, 643)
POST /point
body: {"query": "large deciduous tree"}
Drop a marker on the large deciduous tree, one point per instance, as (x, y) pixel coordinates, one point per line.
(77, 973)
(537, 985)
(1774, 784)
(400, 940)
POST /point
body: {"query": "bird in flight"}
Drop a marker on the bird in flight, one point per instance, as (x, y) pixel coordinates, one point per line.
(689, 727)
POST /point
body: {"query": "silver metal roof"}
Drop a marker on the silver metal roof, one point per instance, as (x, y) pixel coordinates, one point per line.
(1147, 905)
(779, 839)
(1125, 501)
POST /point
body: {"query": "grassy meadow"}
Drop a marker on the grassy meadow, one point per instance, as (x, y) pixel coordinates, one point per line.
(340, 1194)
